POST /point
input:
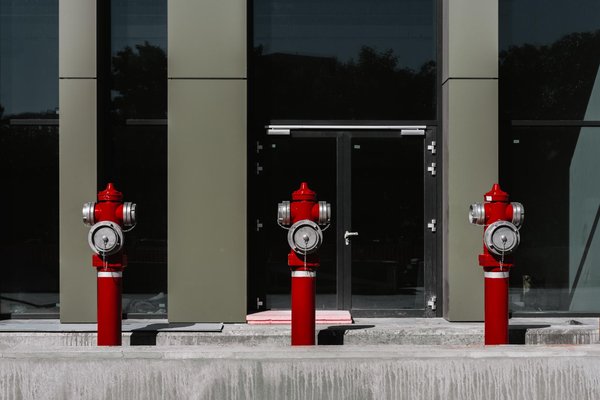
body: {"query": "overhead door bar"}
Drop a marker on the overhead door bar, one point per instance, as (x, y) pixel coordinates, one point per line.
(408, 130)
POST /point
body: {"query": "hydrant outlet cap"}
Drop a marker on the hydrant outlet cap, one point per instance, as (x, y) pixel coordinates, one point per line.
(304, 193)
(110, 194)
(496, 194)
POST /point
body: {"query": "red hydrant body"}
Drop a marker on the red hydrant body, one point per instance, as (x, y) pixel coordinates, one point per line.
(501, 237)
(109, 216)
(305, 215)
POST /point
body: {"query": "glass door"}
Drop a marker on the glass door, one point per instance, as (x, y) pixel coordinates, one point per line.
(284, 163)
(384, 227)
(378, 256)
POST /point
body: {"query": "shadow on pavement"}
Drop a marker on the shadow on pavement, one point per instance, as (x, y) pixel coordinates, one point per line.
(334, 335)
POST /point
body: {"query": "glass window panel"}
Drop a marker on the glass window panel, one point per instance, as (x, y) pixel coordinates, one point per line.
(549, 59)
(388, 263)
(553, 172)
(135, 146)
(30, 273)
(139, 58)
(29, 156)
(340, 59)
(142, 177)
(29, 58)
(284, 170)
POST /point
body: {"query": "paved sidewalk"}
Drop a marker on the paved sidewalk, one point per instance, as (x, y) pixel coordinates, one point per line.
(364, 331)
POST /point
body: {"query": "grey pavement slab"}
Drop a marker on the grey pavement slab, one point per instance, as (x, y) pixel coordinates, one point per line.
(364, 331)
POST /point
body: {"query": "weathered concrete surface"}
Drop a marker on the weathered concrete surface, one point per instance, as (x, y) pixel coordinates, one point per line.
(321, 372)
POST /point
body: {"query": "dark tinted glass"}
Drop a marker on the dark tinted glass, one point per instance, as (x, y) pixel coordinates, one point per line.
(344, 59)
(139, 58)
(29, 58)
(549, 59)
(29, 156)
(387, 255)
(553, 172)
(140, 165)
(135, 145)
(283, 172)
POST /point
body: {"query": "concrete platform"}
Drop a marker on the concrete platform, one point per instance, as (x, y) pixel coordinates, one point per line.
(321, 372)
(364, 331)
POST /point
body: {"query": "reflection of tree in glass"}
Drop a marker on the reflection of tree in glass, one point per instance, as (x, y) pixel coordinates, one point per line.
(140, 82)
(373, 86)
(549, 82)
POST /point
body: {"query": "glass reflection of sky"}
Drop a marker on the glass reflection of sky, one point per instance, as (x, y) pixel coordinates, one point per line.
(339, 28)
(28, 56)
(542, 22)
(138, 21)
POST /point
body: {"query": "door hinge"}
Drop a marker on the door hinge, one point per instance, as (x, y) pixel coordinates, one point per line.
(432, 303)
(431, 169)
(432, 225)
(259, 147)
(259, 225)
(259, 169)
(431, 147)
(259, 303)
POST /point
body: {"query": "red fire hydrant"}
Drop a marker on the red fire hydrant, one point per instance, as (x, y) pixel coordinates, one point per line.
(501, 237)
(306, 217)
(107, 218)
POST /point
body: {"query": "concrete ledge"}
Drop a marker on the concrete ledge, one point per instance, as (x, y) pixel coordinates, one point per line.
(333, 372)
(365, 331)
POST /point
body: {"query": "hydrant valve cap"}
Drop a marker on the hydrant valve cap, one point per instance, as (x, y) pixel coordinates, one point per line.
(324, 213)
(305, 237)
(477, 214)
(88, 213)
(518, 213)
(106, 238)
(284, 216)
(501, 238)
(129, 214)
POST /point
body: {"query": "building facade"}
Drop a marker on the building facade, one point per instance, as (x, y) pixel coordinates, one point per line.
(207, 114)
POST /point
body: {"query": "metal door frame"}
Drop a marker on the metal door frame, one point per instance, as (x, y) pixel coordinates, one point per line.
(343, 217)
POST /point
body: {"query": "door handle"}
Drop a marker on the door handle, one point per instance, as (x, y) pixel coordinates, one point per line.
(348, 235)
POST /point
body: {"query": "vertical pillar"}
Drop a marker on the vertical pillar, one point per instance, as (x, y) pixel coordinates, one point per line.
(77, 155)
(470, 145)
(207, 160)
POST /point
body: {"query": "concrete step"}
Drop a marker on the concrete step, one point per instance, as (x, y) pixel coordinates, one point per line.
(308, 373)
(364, 331)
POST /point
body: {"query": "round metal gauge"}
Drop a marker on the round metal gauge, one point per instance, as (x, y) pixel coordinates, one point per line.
(305, 237)
(501, 237)
(106, 238)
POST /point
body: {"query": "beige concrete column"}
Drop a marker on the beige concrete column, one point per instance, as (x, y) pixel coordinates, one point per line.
(77, 156)
(207, 161)
(470, 145)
